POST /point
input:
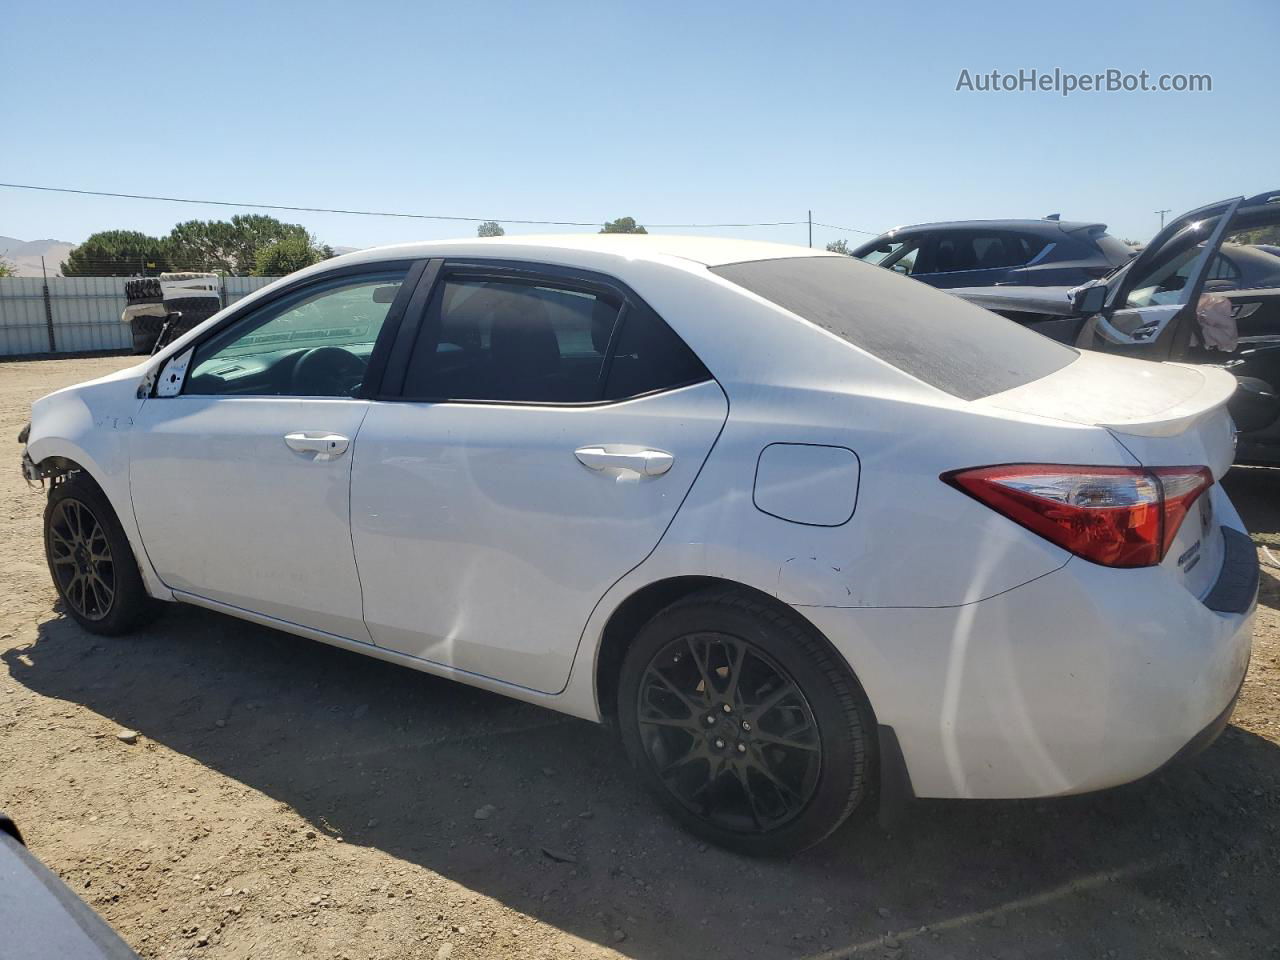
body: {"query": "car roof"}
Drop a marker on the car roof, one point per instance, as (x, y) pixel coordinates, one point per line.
(1041, 226)
(710, 251)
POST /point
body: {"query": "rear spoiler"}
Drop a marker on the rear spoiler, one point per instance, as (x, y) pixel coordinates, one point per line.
(1089, 229)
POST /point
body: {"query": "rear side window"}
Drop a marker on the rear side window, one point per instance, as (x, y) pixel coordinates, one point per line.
(648, 356)
(1027, 245)
(524, 341)
(976, 250)
(935, 337)
(486, 339)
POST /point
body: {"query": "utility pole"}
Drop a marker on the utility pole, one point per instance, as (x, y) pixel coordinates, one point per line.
(48, 308)
(1162, 213)
(810, 228)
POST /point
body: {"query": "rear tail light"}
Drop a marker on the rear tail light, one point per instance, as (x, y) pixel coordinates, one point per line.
(1115, 516)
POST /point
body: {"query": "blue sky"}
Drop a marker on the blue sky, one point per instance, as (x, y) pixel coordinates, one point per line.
(669, 112)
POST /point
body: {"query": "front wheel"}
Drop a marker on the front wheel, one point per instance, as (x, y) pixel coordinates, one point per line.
(93, 567)
(743, 722)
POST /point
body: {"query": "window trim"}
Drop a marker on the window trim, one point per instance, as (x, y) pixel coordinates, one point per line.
(377, 358)
(530, 273)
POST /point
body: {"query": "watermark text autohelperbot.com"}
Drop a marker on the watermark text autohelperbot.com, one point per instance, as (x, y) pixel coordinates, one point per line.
(1065, 83)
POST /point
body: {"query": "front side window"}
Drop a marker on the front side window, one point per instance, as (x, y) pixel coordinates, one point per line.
(1163, 284)
(900, 256)
(313, 343)
(883, 252)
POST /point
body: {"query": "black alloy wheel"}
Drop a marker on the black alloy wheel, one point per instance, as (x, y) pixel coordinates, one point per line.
(729, 732)
(745, 722)
(91, 561)
(80, 559)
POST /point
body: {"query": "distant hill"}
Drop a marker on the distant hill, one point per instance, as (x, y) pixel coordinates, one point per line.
(25, 255)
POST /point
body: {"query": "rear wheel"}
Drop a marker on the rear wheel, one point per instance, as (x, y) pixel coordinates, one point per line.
(92, 564)
(744, 724)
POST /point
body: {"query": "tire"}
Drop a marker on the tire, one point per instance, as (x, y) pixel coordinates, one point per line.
(194, 310)
(758, 777)
(145, 331)
(90, 560)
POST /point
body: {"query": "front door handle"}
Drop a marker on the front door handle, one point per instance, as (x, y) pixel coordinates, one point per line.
(625, 459)
(325, 446)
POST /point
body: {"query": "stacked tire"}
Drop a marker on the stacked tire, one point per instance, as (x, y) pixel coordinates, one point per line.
(194, 310)
(143, 290)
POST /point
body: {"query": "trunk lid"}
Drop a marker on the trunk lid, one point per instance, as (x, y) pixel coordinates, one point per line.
(1163, 414)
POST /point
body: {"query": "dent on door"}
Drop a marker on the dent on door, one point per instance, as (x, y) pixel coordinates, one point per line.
(485, 534)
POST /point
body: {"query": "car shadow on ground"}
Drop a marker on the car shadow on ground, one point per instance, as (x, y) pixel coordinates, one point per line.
(400, 761)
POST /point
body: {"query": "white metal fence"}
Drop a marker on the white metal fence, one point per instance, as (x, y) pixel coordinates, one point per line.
(78, 314)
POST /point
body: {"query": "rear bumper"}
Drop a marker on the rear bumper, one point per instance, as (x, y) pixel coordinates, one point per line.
(1204, 739)
(1083, 679)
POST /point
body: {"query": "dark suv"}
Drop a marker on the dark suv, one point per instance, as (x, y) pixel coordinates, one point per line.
(988, 253)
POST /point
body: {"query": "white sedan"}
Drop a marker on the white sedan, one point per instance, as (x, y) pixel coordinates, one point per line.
(805, 530)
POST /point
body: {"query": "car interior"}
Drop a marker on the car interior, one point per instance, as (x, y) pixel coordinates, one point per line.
(316, 343)
(503, 340)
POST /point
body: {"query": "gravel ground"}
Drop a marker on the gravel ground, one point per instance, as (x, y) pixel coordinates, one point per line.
(286, 799)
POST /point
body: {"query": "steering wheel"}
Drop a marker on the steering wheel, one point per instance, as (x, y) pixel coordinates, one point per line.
(327, 372)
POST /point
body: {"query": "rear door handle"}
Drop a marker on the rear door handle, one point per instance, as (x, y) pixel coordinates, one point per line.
(325, 446)
(625, 459)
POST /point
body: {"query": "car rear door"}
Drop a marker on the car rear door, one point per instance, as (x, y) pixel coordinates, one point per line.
(545, 430)
(973, 258)
(240, 461)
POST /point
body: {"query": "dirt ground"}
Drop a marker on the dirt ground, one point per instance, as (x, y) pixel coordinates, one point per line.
(286, 799)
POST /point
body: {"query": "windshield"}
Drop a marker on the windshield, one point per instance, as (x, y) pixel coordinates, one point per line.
(933, 336)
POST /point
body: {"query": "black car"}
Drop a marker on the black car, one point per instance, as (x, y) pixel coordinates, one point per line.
(982, 253)
(1152, 308)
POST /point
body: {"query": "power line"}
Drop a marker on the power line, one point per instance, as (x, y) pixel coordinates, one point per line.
(383, 213)
(831, 226)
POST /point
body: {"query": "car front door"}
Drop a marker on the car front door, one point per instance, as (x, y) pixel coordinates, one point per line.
(548, 427)
(1152, 312)
(241, 459)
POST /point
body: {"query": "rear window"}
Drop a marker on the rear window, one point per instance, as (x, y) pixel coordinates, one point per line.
(935, 337)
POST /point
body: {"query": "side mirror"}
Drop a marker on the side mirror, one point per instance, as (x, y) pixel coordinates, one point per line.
(1090, 300)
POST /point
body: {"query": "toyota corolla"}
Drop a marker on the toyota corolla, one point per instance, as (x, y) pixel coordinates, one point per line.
(805, 530)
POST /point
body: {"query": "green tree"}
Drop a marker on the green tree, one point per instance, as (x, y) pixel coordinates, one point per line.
(287, 255)
(7, 269)
(490, 228)
(117, 253)
(1260, 235)
(840, 246)
(623, 225)
(230, 246)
